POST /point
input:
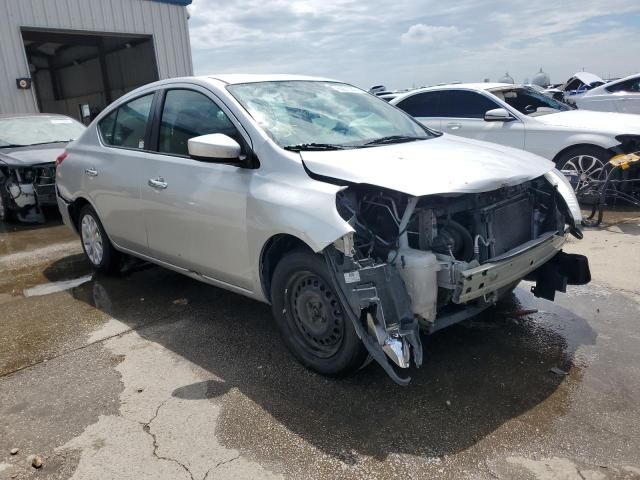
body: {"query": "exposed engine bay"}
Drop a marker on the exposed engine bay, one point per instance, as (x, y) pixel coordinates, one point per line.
(423, 263)
(25, 189)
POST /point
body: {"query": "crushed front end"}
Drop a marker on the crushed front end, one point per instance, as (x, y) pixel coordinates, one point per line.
(25, 190)
(423, 263)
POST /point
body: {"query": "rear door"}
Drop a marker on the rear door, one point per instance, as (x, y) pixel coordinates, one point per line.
(463, 115)
(195, 212)
(424, 107)
(113, 170)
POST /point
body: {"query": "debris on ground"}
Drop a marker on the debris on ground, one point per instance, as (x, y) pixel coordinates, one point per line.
(36, 461)
(558, 371)
(139, 389)
(522, 312)
(14, 451)
(181, 301)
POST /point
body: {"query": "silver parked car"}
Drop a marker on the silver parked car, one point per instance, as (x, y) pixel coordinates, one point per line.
(29, 146)
(359, 225)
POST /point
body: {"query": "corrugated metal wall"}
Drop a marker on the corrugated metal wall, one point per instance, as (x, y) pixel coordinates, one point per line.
(167, 23)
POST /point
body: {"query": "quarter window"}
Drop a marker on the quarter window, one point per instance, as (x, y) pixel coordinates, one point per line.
(127, 125)
(422, 105)
(187, 114)
(465, 104)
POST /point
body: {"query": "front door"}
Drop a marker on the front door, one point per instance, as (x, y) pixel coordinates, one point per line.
(463, 115)
(195, 212)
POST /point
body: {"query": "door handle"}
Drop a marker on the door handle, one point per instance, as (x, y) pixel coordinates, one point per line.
(158, 183)
(91, 172)
(454, 126)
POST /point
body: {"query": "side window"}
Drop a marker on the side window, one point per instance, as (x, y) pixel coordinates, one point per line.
(106, 127)
(573, 85)
(632, 85)
(465, 104)
(422, 105)
(126, 126)
(187, 114)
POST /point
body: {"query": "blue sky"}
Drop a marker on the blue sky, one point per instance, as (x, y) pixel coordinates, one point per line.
(405, 43)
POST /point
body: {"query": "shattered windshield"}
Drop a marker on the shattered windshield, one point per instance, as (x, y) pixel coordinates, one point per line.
(35, 130)
(317, 115)
(528, 101)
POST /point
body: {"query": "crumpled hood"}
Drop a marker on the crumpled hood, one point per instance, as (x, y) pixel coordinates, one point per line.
(446, 164)
(29, 156)
(599, 122)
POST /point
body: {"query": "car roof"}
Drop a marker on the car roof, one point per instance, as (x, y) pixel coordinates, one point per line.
(586, 77)
(455, 86)
(236, 78)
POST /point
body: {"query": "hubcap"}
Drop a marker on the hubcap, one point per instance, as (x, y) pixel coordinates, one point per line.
(92, 239)
(316, 314)
(586, 168)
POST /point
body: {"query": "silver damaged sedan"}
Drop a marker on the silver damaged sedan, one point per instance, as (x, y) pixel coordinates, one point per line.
(359, 226)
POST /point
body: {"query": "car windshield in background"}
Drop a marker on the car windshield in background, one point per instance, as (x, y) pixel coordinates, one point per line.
(314, 115)
(528, 101)
(36, 130)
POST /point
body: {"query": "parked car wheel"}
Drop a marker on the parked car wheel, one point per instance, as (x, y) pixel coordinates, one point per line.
(587, 164)
(312, 319)
(95, 243)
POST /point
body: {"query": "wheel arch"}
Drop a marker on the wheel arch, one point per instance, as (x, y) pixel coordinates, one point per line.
(74, 211)
(577, 146)
(274, 250)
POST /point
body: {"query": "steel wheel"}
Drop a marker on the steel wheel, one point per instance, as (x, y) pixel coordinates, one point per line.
(587, 168)
(92, 240)
(316, 314)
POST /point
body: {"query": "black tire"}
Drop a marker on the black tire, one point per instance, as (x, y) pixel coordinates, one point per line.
(594, 160)
(311, 318)
(110, 260)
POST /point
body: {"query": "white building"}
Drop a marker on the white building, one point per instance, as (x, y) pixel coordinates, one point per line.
(77, 56)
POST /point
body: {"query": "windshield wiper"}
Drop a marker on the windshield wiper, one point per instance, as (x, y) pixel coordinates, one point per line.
(11, 145)
(313, 147)
(394, 139)
(44, 143)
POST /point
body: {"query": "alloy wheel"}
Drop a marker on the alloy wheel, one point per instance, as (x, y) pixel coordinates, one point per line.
(587, 169)
(92, 240)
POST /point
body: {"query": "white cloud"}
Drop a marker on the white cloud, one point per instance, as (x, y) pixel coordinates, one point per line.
(380, 41)
(426, 34)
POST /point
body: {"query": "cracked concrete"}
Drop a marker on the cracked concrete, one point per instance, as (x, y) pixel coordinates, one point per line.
(111, 379)
(156, 435)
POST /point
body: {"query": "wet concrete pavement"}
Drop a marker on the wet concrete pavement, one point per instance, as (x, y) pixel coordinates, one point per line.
(149, 374)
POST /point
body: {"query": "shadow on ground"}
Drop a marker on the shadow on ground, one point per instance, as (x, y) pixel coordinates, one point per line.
(476, 376)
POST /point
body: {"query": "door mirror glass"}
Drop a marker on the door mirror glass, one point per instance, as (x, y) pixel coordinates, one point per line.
(497, 115)
(214, 147)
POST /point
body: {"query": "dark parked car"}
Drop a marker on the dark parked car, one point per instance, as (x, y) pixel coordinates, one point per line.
(29, 146)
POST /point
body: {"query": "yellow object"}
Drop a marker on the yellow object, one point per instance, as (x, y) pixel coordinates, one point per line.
(624, 160)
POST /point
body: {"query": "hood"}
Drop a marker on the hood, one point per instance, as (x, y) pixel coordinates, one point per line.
(445, 164)
(598, 122)
(586, 78)
(29, 156)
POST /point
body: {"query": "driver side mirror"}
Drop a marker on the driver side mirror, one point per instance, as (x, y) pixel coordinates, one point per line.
(498, 115)
(215, 148)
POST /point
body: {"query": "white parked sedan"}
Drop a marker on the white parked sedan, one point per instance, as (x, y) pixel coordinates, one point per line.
(579, 142)
(359, 225)
(618, 96)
